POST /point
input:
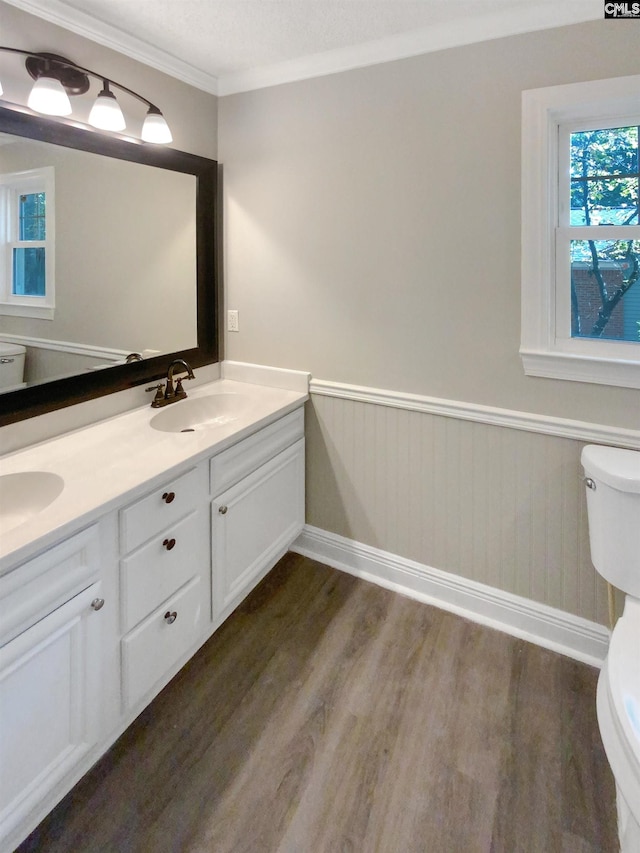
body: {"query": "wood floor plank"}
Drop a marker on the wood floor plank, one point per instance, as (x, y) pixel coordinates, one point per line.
(529, 803)
(328, 714)
(358, 764)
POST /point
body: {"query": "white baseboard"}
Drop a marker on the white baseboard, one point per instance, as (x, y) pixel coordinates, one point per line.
(545, 626)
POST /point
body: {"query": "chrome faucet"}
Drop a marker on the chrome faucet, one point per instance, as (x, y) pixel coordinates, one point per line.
(168, 394)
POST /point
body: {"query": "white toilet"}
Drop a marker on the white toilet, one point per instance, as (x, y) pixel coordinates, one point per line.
(11, 366)
(612, 477)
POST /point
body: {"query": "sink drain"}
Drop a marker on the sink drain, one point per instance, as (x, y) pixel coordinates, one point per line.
(188, 429)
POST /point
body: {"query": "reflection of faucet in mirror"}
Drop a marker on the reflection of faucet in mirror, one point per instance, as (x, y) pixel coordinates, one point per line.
(168, 394)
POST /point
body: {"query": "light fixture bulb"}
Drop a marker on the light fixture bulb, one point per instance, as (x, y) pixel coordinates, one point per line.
(49, 97)
(105, 112)
(155, 128)
(1, 90)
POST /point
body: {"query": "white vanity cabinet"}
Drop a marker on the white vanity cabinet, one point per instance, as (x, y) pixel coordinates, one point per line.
(51, 696)
(258, 508)
(94, 627)
(165, 580)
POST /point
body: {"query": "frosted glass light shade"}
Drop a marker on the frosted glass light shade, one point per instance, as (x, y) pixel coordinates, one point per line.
(155, 128)
(106, 113)
(49, 97)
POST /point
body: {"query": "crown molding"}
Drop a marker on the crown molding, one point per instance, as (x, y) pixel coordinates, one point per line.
(452, 34)
(536, 16)
(88, 27)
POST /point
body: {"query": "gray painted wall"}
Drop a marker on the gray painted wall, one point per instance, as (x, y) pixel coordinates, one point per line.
(373, 221)
(373, 237)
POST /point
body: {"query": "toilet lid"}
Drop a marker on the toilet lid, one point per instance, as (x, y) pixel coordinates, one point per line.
(11, 349)
(615, 466)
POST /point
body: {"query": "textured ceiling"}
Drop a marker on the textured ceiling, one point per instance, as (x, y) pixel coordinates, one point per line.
(236, 39)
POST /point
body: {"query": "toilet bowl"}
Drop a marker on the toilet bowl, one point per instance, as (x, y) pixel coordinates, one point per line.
(612, 478)
(11, 366)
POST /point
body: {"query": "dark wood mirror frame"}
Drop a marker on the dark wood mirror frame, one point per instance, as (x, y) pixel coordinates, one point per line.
(48, 396)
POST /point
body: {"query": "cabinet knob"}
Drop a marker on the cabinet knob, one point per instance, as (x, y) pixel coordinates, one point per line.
(223, 510)
(169, 543)
(170, 617)
(97, 603)
(168, 497)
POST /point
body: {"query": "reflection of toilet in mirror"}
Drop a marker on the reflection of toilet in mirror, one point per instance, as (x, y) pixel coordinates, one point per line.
(11, 367)
(613, 505)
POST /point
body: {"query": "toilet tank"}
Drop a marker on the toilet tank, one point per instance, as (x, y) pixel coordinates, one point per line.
(11, 365)
(612, 476)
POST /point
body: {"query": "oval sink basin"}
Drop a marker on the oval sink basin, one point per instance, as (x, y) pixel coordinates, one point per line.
(200, 413)
(25, 494)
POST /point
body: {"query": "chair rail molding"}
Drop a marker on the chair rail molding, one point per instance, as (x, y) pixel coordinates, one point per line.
(513, 419)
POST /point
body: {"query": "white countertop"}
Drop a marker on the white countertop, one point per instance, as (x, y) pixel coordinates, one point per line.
(112, 460)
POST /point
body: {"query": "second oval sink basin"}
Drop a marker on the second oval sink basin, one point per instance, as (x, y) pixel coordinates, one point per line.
(25, 494)
(199, 413)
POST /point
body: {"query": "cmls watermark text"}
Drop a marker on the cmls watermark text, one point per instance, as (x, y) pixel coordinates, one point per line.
(622, 10)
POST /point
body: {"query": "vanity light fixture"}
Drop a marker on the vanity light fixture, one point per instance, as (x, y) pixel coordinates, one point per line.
(57, 79)
(49, 97)
(155, 128)
(105, 112)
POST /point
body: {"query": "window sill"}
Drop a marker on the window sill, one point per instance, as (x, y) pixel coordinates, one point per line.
(578, 368)
(38, 312)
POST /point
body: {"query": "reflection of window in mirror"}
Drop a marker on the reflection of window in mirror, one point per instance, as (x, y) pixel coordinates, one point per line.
(27, 227)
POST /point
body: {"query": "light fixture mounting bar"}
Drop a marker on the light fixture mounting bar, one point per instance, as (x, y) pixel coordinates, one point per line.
(74, 81)
(70, 74)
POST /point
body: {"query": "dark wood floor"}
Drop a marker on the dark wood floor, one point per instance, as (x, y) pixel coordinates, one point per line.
(330, 715)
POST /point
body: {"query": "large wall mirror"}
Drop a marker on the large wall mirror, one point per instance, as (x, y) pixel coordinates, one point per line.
(135, 264)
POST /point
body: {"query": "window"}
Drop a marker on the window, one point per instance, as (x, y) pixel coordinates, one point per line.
(581, 232)
(27, 225)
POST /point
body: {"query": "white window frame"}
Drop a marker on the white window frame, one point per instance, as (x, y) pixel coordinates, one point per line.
(547, 348)
(12, 185)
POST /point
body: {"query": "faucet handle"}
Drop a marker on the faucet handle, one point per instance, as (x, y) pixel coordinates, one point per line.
(159, 395)
(180, 392)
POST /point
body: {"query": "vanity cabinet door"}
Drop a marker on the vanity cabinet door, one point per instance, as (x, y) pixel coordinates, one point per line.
(50, 700)
(253, 524)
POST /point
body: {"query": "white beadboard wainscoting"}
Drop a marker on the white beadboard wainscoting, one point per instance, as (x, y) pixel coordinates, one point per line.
(479, 510)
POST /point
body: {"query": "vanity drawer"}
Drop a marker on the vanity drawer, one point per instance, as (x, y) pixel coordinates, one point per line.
(156, 570)
(36, 588)
(232, 465)
(157, 644)
(159, 509)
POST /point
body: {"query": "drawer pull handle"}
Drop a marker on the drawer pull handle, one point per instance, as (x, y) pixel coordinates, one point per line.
(169, 543)
(168, 497)
(97, 603)
(170, 617)
(223, 510)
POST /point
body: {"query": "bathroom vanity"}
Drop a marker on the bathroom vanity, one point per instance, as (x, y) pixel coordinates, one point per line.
(151, 533)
